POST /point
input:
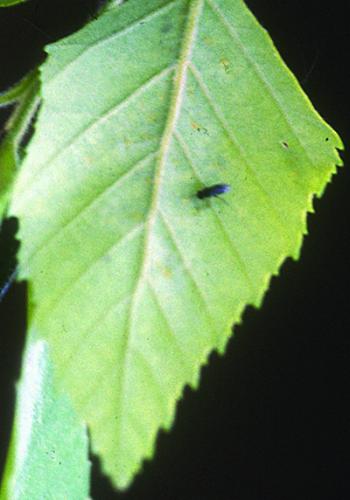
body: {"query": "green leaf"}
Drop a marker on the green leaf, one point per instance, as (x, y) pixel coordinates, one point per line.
(48, 452)
(8, 3)
(133, 280)
(25, 96)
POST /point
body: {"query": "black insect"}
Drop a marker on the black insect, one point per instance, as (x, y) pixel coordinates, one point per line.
(215, 190)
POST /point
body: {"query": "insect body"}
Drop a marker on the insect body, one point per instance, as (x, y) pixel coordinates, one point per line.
(214, 190)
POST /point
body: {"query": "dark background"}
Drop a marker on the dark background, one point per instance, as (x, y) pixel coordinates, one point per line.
(271, 418)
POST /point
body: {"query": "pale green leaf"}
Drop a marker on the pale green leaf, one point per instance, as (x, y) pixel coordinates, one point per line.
(48, 453)
(133, 280)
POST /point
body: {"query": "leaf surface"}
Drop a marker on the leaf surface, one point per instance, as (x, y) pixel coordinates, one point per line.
(9, 3)
(133, 280)
(48, 453)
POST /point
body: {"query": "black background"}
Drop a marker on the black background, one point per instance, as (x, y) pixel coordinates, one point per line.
(271, 418)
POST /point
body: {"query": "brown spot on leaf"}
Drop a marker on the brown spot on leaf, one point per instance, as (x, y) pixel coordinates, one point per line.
(199, 128)
(226, 65)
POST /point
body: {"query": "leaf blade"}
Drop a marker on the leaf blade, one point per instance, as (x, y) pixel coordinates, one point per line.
(9, 3)
(48, 452)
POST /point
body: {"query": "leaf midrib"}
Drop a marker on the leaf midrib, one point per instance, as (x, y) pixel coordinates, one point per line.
(195, 9)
